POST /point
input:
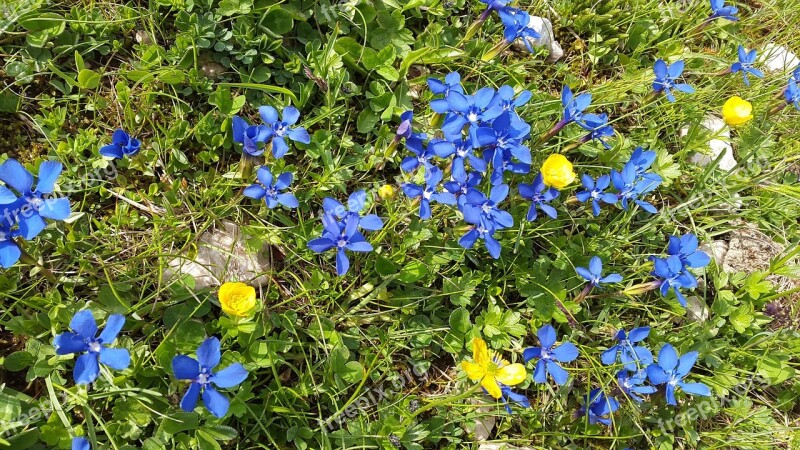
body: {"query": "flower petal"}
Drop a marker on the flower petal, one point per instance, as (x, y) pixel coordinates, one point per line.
(230, 376)
(208, 353)
(512, 374)
(217, 403)
(189, 400)
(86, 369)
(114, 324)
(116, 358)
(66, 343)
(83, 323)
(185, 367)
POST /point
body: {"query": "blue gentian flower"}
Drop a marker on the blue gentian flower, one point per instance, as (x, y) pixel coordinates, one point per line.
(505, 135)
(83, 338)
(250, 136)
(641, 160)
(516, 26)
(481, 232)
(594, 274)
(598, 128)
(504, 101)
(200, 372)
(745, 64)
(502, 162)
(574, 106)
(282, 129)
(596, 192)
(466, 110)
(342, 236)
(630, 188)
(355, 204)
(631, 356)
(685, 247)
(34, 204)
(459, 186)
(122, 144)
(9, 250)
(452, 82)
(478, 209)
(719, 10)
(80, 443)
(667, 79)
(540, 197)
(792, 93)
(510, 396)
(671, 370)
(549, 356)
(422, 154)
(495, 5)
(461, 151)
(673, 276)
(428, 192)
(404, 130)
(632, 384)
(598, 407)
(270, 190)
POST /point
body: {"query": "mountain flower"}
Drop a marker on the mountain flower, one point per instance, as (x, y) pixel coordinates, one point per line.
(492, 371)
(478, 209)
(671, 370)
(598, 407)
(632, 384)
(630, 355)
(404, 130)
(80, 443)
(203, 379)
(745, 64)
(34, 205)
(792, 93)
(462, 151)
(250, 136)
(667, 79)
(237, 299)
(84, 338)
(355, 204)
(429, 192)
(516, 26)
(595, 191)
(720, 10)
(549, 356)
(505, 100)
(540, 197)
(673, 275)
(466, 111)
(122, 144)
(460, 186)
(574, 106)
(737, 111)
(270, 189)
(594, 274)
(281, 129)
(685, 247)
(630, 187)
(342, 236)
(386, 192)
(510, 396)
(557, 171)
(452, 82)
(422, 154)
(481, 232)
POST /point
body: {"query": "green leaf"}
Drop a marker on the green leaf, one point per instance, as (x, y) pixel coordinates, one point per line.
(227, 104)
(172, 76)
(413, 271)
(10, 407)
(366, 121)
(278, 21)
(775, 368)
(18, 361)
(742, 317)
(459, 321)
(385, 267)
(39, 21)
(88, 79)
(723, 303)
(262, 87)
(180, 421)
(206, 442)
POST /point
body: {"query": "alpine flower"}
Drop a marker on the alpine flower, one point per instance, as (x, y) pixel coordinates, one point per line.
(452, 82)
(462, 151)
(510, 396)
(478, 209)
(516, 23)
(631, 356)
(673, 276)
(203, 379)
(720, 10)
(594, 274)
(632, 384)
(792, 93)
(84, 338)
(540, 197)
(598, 127)
(574, 106)
(9, 250)
(404, 130)
(549, 356)
(355, 204)
(670, 370)
(492, 371)
(122, 144)
(595, 191)
(685, 247)
(79, 443)
(481, 232)
(250, 136)
(281, 129)
(428, 192)
(737, 111)
(269, 189)
(630, 187)
(237, 299)
(343, 236)
(557, 171)
(745, 64)
(422, 154)
(598, 407)
(466, 110)
(667, 79)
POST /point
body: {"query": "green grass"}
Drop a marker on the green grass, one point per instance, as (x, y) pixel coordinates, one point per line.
(324, 345)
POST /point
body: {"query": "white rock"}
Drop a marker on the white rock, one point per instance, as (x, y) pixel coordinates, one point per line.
(501, 446)
(716, 146)
(778, 58)
(696, 309)
(717, 250)
(484, 423)
(222, 255)
(545, 29)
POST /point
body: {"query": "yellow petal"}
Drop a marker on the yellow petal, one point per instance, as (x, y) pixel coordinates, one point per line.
(474, 371)
(490, 384)
(480, 354)
(512, 374)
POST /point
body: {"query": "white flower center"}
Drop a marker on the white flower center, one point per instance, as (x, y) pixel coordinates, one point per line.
(95, 347)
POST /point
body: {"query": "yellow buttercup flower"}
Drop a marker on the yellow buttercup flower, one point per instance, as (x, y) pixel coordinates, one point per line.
(557, 171)
(386, 191)
(737, 111)
(488, 368)
(237, 299)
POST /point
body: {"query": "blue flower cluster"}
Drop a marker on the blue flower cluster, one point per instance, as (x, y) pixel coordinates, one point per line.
(673, 271)
(122, 145)
(574, 112)
(631, 183)
(515, 22)
(341, 229)
(23, 213)
(275, 131)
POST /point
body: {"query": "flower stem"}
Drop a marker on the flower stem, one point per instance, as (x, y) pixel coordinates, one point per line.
(777, 108)
(586, 290)
(502, 45)
(641, 288)
(553, 131)
(28, 259)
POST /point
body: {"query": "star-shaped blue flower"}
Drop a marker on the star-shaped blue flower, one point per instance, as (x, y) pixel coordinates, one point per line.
(632, 384)
(667, 79)
(429, 192)
(355, 204)
(598, 407)
(745, 64)
(673, 275)
(630, 355)
(595, 191)
(342, 236)
(671, 370)
(540, 196)
(549, 356)
(422, 154)
(122, 144)
(250, 136)
(516, 26)
(281, 129)
(270, 190)
(720, 10)
(594, 274)
(84, 338)
(685, 247)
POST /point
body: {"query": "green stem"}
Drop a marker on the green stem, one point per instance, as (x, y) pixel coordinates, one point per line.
(25, 258)
(436, 403)
(502, 45)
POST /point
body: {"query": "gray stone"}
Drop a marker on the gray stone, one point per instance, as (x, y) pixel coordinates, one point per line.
(778, 58)
(545, 29)
(696, 309)
(484, 423)
(717, 145)
(717, 250)
(222, 255)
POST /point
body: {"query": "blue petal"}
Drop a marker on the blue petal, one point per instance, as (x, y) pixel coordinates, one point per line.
(189, 400)
(291, 115)
(80, 443)
(531, 353)
(13, 174)
(9, 254)
(371, 222)
(269, 115)
(112, 151)
(342, 263)
(539, 373)
(492, 246)
(638, 334)
(320, 245)
(559, 375)
(667, 357)
(609, 356)
(279, 147)
(547, 336)
(300, 135)
(215, 402)
(565, 352)
(66, 343)
(695, 389)
(48, 174)
(230, 376)
(116, 358)
(656, 374)
(83, 323)
(86, 369)
(208, 353)
(288, 200)
(185, 367)
(30, 226)
(255, 191)
(55, 208)
(114, 324)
